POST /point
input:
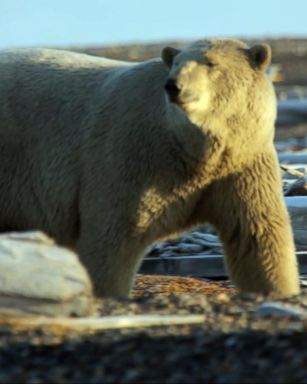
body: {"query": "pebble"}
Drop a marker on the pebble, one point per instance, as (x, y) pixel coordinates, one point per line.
(279, 309)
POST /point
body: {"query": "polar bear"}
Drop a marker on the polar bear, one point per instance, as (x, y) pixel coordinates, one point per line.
(108, 157)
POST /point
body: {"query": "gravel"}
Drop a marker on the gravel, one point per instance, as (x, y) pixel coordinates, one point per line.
(234, 344)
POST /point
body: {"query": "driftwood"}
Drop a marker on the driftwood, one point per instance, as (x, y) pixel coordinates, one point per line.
(299, 186)
(100, 323)
(292, 171)
(201, 265)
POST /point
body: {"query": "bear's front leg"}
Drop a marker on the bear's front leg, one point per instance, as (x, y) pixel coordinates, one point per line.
(250, 215)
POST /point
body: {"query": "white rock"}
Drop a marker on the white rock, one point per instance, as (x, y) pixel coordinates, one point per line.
(279, 309)
(37, 276)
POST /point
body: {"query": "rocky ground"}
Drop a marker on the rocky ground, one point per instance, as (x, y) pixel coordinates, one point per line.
(240, 339)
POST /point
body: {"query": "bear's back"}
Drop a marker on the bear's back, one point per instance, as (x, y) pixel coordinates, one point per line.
(55, 58)
(36, 74)
(40, 85)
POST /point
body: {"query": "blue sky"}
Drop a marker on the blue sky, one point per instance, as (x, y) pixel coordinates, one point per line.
(73, 22)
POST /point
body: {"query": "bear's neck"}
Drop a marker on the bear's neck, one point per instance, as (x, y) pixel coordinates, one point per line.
(196, 154)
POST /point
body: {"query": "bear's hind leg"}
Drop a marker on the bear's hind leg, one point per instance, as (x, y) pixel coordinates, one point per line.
(111, 262)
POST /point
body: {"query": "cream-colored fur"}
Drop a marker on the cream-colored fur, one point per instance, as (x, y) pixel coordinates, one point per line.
(94, 153)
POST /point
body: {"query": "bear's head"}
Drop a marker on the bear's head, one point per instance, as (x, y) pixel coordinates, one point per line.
(221, 79)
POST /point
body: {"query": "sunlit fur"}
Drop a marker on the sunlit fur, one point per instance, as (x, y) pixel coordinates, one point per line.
(94, 154)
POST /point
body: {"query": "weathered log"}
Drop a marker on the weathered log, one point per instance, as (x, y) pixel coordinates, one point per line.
(101, 323)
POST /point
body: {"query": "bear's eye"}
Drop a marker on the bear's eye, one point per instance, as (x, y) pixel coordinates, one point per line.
(210, 64)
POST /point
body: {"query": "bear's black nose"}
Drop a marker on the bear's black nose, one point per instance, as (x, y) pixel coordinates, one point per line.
(172, 89)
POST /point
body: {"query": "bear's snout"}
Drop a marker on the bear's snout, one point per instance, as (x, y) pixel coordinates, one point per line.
(173, 89)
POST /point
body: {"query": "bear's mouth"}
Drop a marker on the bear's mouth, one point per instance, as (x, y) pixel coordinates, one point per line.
(184, 101)
(177, 94)
(172, 89)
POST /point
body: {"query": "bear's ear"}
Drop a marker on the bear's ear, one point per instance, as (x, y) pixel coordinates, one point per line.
(260, 56)
(168, 54)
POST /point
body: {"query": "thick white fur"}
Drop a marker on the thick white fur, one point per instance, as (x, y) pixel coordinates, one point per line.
(93, 153)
